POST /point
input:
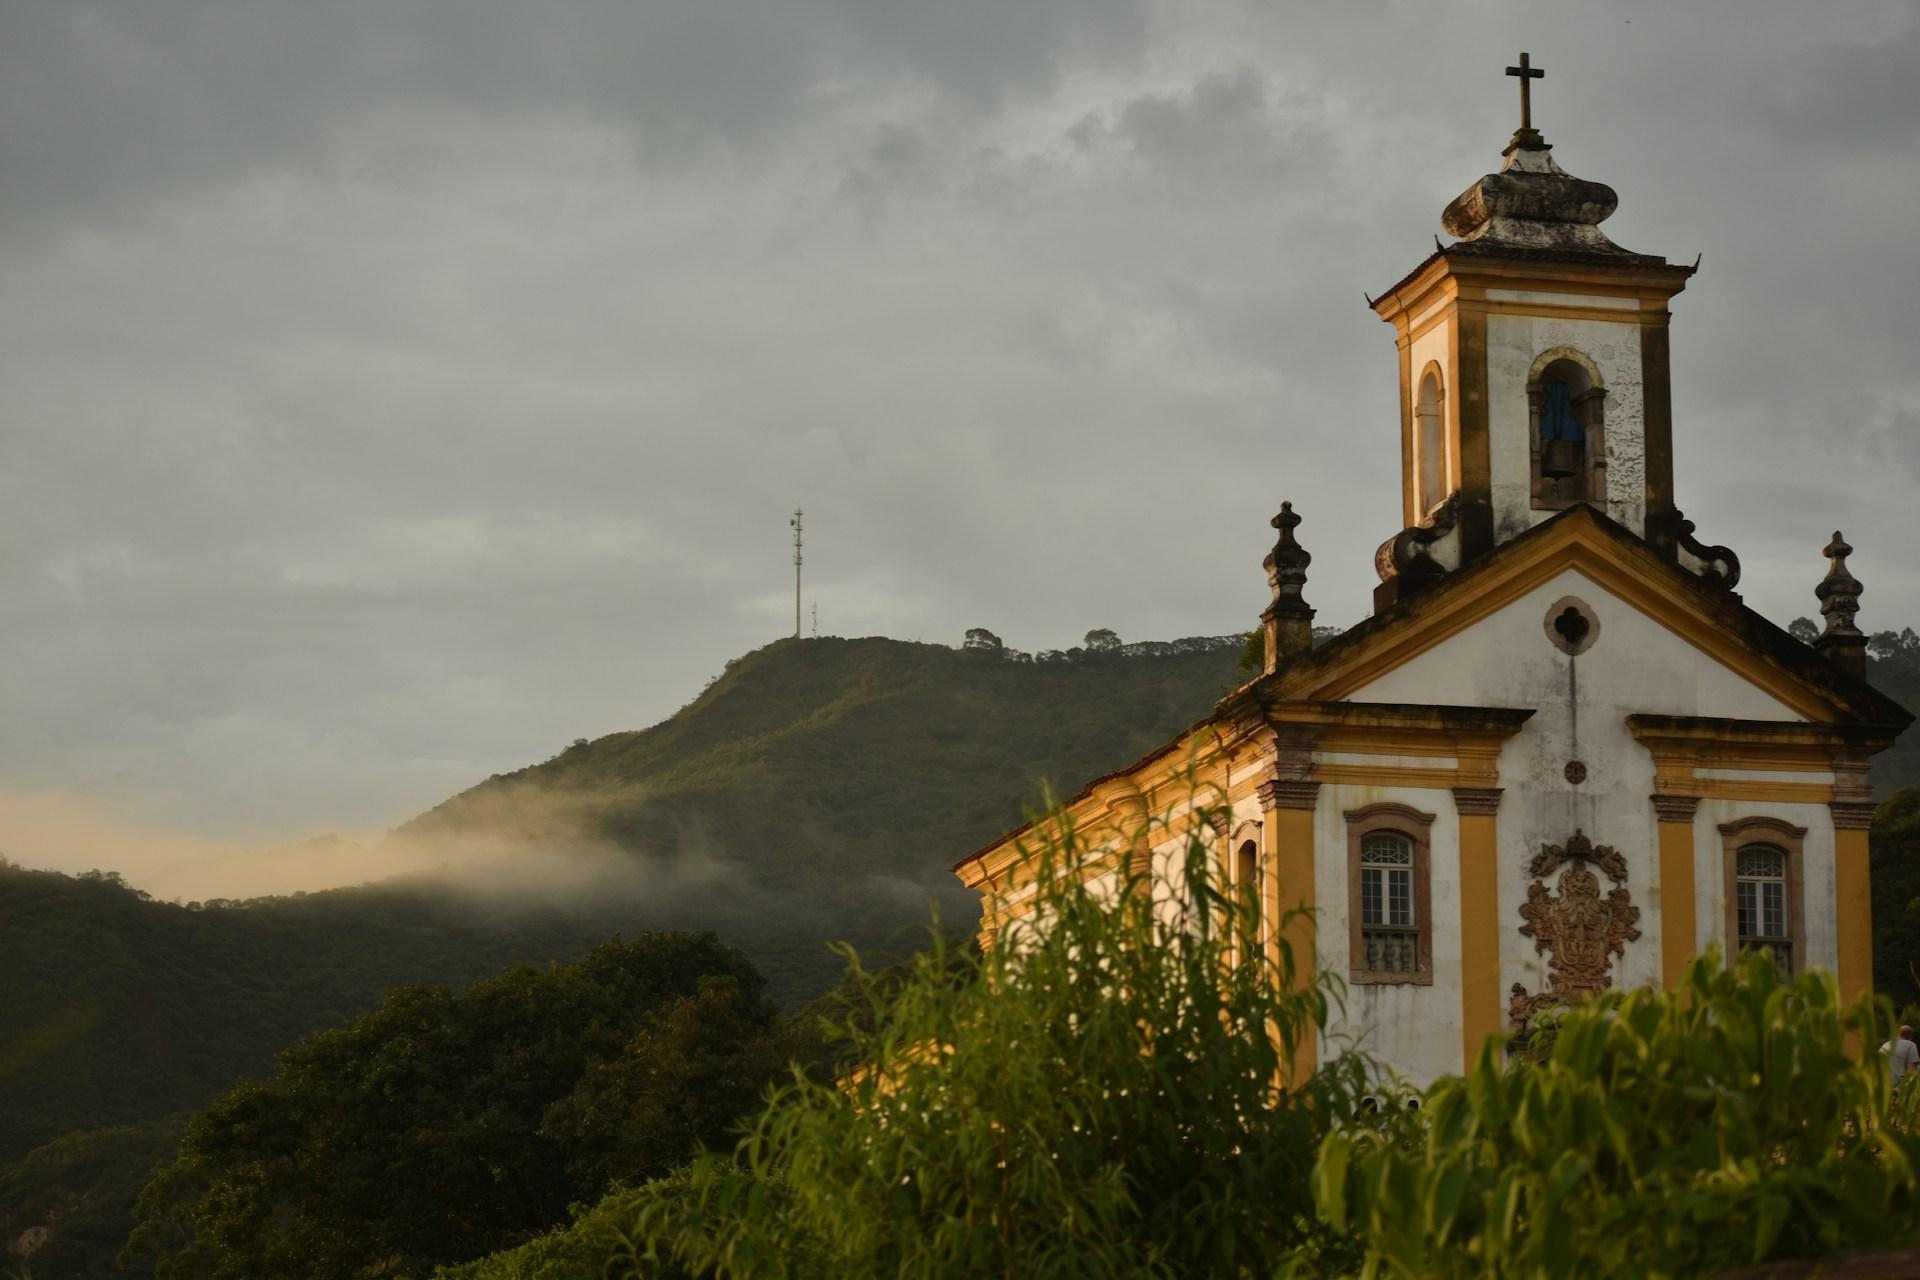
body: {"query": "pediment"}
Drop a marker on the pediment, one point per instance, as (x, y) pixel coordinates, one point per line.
(1756, 669)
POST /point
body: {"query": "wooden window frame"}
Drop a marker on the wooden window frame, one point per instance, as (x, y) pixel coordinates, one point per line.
(1417, 827)
(1790, 840)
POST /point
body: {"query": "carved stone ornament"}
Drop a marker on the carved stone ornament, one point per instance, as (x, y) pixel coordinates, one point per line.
(1574, 925)
(1717, 564)
(1579, 849)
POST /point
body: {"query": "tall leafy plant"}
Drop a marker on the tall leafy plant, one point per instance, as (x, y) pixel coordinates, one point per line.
(1722, 1123)
(1104, 1092)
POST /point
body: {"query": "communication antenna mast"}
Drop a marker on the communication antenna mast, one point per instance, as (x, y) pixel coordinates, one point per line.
(816, 619)
(798, 516)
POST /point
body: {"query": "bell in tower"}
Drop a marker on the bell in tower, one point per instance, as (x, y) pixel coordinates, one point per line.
(1560, 436)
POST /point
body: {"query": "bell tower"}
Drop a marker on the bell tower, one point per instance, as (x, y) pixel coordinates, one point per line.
(1533, 369)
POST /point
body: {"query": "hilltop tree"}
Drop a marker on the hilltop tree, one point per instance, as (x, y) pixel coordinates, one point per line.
(1101, 640)
(981, 640)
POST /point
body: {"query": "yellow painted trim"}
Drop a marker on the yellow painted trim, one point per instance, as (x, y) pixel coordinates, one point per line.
(1562, 311)
(1574, 544)
(1480, 1004)
(1679, 931)
(1755, 789)
(1289, 841)
(1853, 914)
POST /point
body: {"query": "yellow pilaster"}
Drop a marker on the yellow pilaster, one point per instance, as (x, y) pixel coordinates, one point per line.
(1288, 833)
(1853, 898)
(1480, 1002)
(1679, 931)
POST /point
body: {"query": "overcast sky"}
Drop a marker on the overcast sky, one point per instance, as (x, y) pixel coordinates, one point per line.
(393, 392)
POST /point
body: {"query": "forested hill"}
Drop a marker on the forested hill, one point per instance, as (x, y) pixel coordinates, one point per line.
(818, 790)
(851, 761)
(116, 1009)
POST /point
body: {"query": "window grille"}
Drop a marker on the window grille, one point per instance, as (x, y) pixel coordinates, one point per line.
(1760, 886)
(1389, 934)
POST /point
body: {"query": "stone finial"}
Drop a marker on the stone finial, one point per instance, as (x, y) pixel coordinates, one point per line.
(1844, 644)
(1532, 203)
(1288, 621)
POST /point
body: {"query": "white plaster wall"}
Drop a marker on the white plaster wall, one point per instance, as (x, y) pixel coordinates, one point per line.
(1514, 342)
(1581, 704)
(1414, 1029)
(1817, 907)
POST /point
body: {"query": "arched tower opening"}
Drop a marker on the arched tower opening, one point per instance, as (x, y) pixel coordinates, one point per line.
(1566, 415)
(1431, 470)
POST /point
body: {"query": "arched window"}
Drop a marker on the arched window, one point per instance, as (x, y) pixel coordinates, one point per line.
(1763, 902)
(1760, 902)
(1391, 936)
(1566, 411)
(1388, 931)
(1246, 894)
(1430, 444)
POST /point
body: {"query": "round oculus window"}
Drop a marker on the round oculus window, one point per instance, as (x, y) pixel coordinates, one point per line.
(1571, 625)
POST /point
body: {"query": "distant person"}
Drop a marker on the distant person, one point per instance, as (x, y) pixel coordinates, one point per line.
(1902, 1054)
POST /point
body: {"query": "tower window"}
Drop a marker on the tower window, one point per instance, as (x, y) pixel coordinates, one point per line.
(1246, 884)
(1431, 486)
(1389, 895)
(1566, 409)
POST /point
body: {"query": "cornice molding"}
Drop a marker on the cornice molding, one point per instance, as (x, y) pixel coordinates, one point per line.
(1477, 801)
(1851, 815)
(1672, 808)
(1288, 793)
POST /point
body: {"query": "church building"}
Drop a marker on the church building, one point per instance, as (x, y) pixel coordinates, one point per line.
(1561, 755)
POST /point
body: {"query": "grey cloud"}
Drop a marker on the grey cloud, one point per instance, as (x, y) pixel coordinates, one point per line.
(112, 103)
(1224, 131)
(390, 394)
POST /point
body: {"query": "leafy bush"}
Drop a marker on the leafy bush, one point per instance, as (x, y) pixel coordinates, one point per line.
(1107, 1096)
(1110, 1096)
(1720, 1124)
(441, 1127)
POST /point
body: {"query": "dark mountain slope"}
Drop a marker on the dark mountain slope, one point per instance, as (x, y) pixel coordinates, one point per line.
(817, 790)
(116, 1009)
(828, 758)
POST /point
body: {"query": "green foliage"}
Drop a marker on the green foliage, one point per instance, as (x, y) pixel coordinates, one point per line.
(595, 1244)
(981, 640)
(1894, 850)
(1104, 1097)
(871, 766)
(1665, 1133)
(68, 1206)
(442, 1126)
(118, 1009)
(1893, 667)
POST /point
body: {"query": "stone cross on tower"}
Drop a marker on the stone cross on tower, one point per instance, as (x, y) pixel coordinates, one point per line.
(1527, 74)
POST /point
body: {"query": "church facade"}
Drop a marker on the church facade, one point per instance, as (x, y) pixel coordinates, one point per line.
(1561, 755)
